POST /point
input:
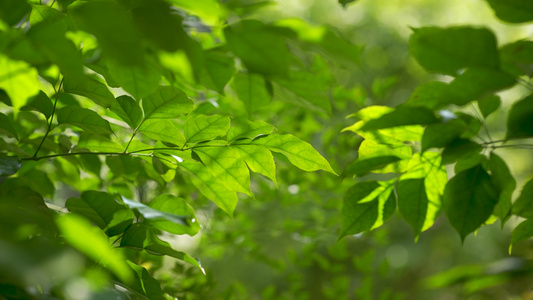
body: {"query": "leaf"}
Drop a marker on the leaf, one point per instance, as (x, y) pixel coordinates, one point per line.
(19, 80)
(512, 11)
(128, 110)
(299, 153)
(345, 3)
(83, 118)
(141, 237)
(447, 50)
(524, 203)
(140, 80)
(91, 241)
(459, 148)
(103, 210)
(361, 167)
(150, 213)
(226, 165)
(166, 103)
(162, 130)
(516, 58)
(252, 91)
(99, 143)
(432, 95)
(402, 116)
(304, 89)
(9, 165)
(519, 121)
(6, 127)
(210, 186)
(12, 11)
(489, 104)
(441, 134)
(204, 128)
(522, 232)
(469, 200)
(261, 49)
(176, 206)
(40, 103)
(258, 159)
(248, 129)
(92, 89)
(505, 184)
(218, 69)
(413, 202)
(370, 149)
(144, 283)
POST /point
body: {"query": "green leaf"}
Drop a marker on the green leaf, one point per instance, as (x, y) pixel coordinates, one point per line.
(176, 206)
(251, 90)
(258, 159)
(166, 103)
(402, 116)
(517, 58)
(432, 95)
(144, 283)
(522, 232)
(489, 104)
(505, 184)
(218, 69)
(99, 143)
(447, 50)
(475, 83)
(19, 80)
(92, 89)
(459, 148)
(519, 121)
(299, 153)
(248, 129)
(163, 130)
(261, 49)
(142, 237)
(512, 11)
(6, 127)
(226, 165)
(413, 202)
(9, 165)
(210, 186)
(370, 148)
(345, 3)
(304, 89)
(204, 128)
(524, 203)
(91, 241)
(140, 80)
(156, 215)
(361, 167)
(469, 200)
(12, 11)
(441, 134)
(40, 103)
(128, 110)
(83, 118)
(102, 210)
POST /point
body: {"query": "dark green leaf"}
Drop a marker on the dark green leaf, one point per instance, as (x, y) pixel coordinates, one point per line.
(299, 153)
(413, 202)
(361, 167)
(163, 130)
(258, 159)
(40, 103)
(523, 206)
(150, 213)
(520, 119)
(9, 165)
(177, 206)
(469, 162)
(261, 49)
(248, 129)
(140, 80)
(513, 11)
(204, 128)
(166, 103)
(6, 127)
(469, 200)
(144, 283)
(441, 134)
(522, 232)
(345, 3)
(402, 116)
(12, 11)
(459, 148)
(128, 110)
(505, 184)
(517, 58)
(251, 90)
(489, 104)
(103, 210)
(432, 95)
(92, 89)
(83, 118)
(218, 69)
(447, 50)
(304, 89)
(472, 125)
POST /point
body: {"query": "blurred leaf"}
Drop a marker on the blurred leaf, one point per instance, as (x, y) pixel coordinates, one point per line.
(441, 134)
(299, 153)
(91, 241)
(9, 165)
(472, 125)
(402, 116)
(226, 165)
(516, 58)
(218, 69)
(261, 49)
(12, 11)
(166, 103)
(505, 184)
(524, 203)
(304, 89)
(447, 50)
(144, 283)
(258, 159)
(162, 130)
(489, 104)
(99, 143)
(40, 103)
(102, 210)
(469, 200)
(19, 80)
(150, 213)
(345, 3)
(520, 119)
(83, 118)
(140, 80)
(251, 90)
(204, 128)
(512, 11)
(177, 206)
(361, 167)
(6, 127)
(459, 148)
(128, 110)
(432, 95)
(92, 89)
(522, 232)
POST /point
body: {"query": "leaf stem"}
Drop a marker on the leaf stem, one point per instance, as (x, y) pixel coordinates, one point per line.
(58, 91)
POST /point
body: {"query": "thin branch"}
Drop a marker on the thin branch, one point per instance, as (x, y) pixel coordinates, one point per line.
(481, 119)
(58, 91)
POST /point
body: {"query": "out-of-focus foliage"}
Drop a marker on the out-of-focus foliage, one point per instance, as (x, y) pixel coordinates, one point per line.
(128, 130)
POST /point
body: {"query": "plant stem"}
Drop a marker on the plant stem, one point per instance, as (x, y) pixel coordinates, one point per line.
(51, 117)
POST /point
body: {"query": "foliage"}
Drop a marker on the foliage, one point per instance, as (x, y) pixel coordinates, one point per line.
(126, 123)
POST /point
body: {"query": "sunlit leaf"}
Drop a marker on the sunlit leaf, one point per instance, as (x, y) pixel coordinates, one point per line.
(258, 159)
(128, 110)
(19, 80)
(251, 90)
(99, 143)
(92, 89)
(218, 69)
(144, 283)
(177, 206)
(163, 130)
(248, 129)
(139, 80)
(361, 167)
(203, 128)
(83, 118)
(166, 103)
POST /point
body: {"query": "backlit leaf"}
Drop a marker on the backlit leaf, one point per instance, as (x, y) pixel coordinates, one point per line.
(83, 118)
(128, 110)
(166, 103)
(203, 128)
(92, 89)
(163, 130)
(144, 283)
(251, 90)
(19, 80)
(139, 80)
(413, 202)
(150, 213)
(99, 143)
(258, 159)
(248, 129)
(176, 206)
